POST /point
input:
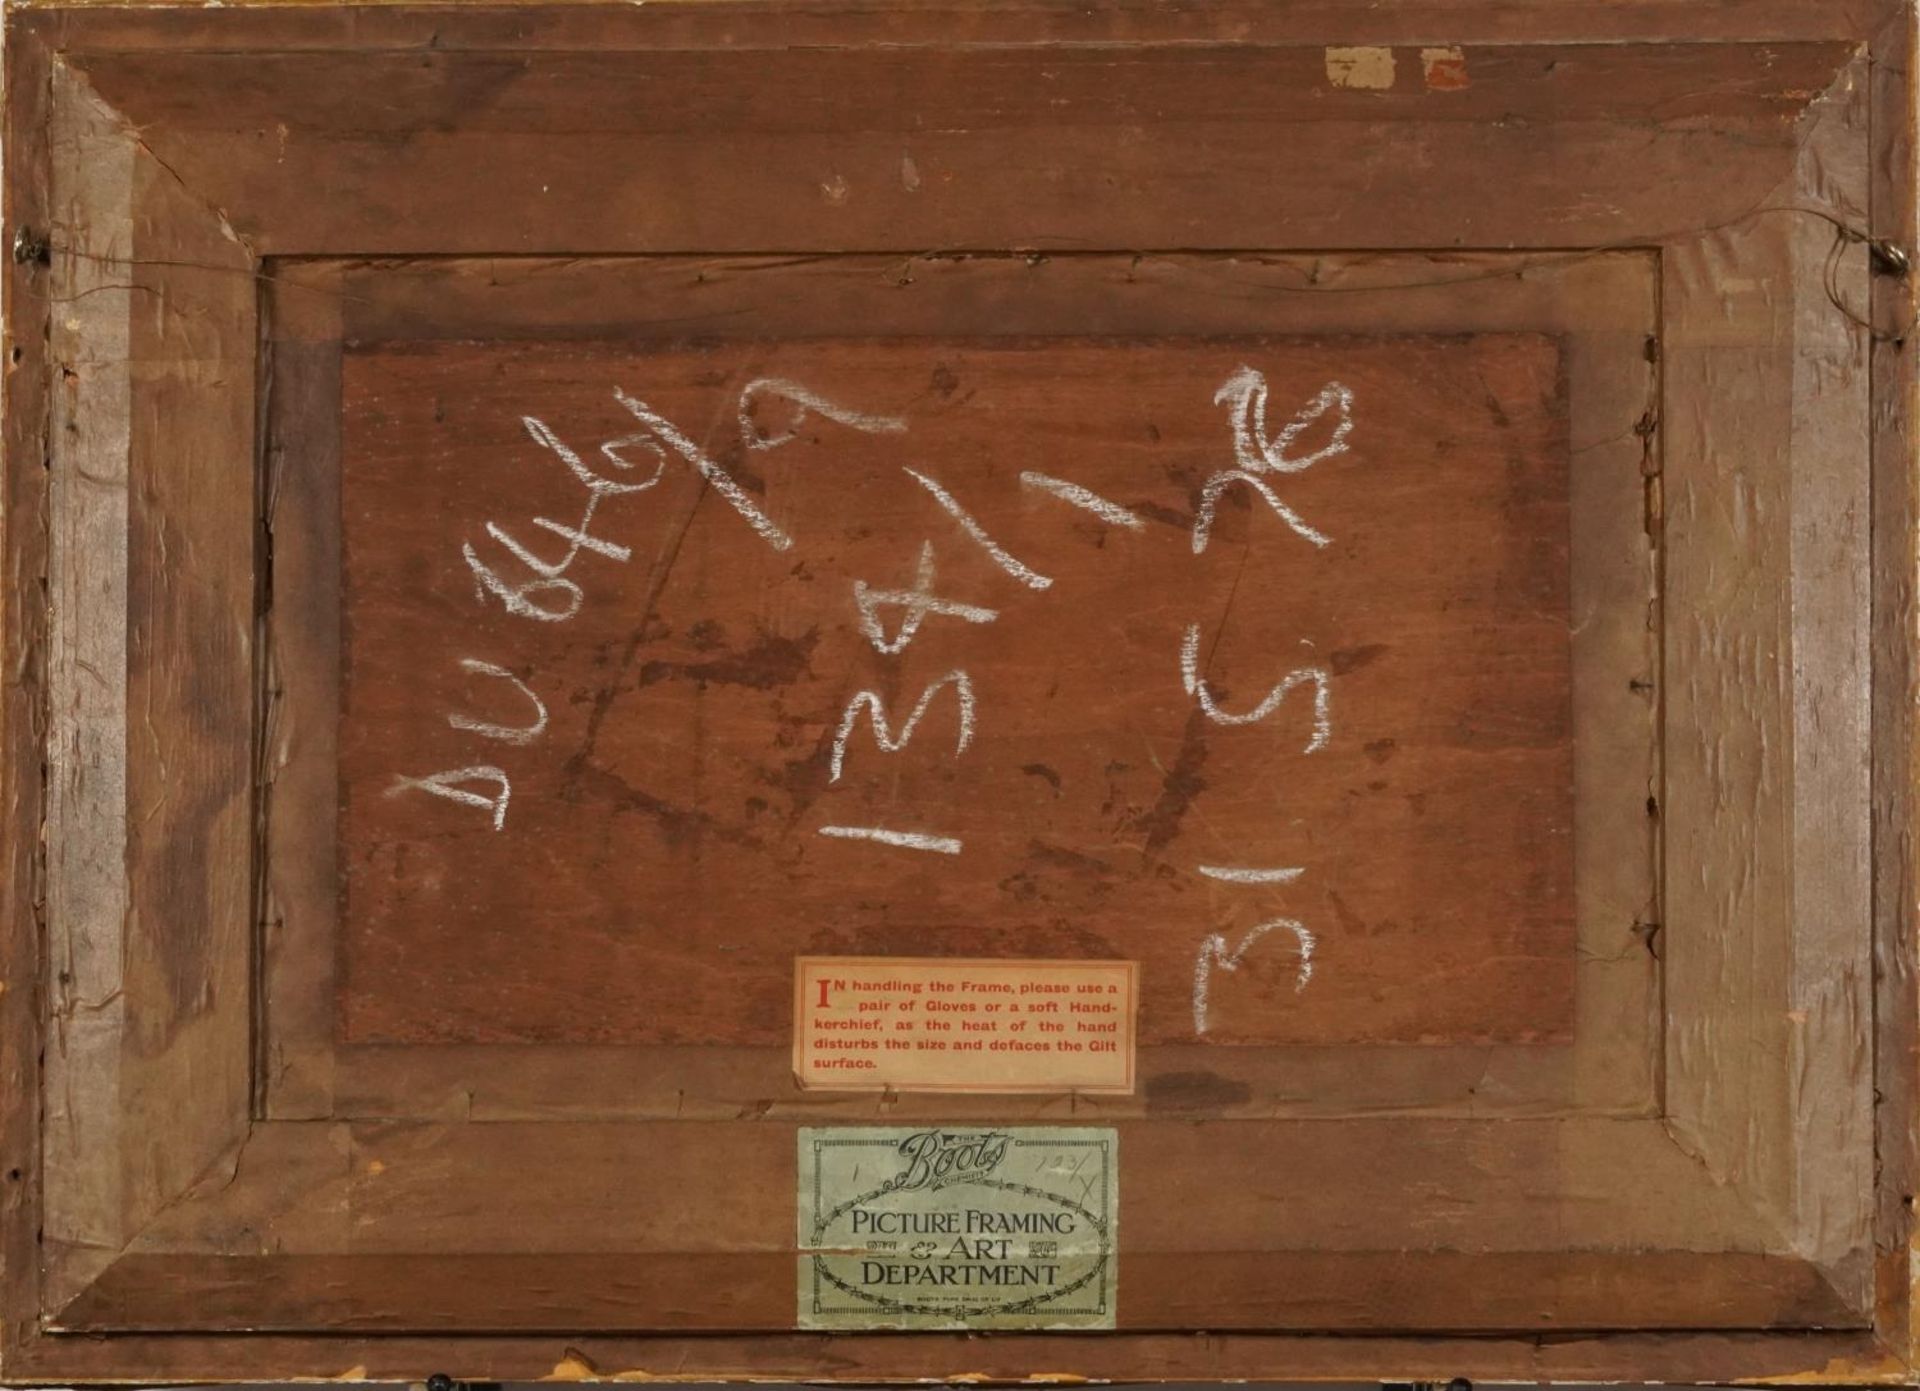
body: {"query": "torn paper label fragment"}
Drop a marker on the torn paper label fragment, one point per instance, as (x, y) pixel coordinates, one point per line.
(1369, 69)
(1445, 69)
(966, 1227)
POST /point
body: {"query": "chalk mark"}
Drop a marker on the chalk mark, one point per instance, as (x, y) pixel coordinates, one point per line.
(1210, 500)
(1213, 952)
(1076, 496)
(1234, 874)
(919, 603)
(506, 734)
(807, 401)
(551, 573)
(906, 840)
(973, 529)
(1197, 687)
(1245, 395)
(658, 574)
(871, 702)
(721, 481)
(446, 785)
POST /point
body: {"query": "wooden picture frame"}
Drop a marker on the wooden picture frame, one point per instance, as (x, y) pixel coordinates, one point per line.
(1709, 209)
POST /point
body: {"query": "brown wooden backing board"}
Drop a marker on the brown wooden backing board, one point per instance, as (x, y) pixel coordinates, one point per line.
(1599, 311)
(681, 755)
(201, 1181)
(480, 150)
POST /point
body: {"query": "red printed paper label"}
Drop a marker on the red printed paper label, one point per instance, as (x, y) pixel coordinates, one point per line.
(942, 1025)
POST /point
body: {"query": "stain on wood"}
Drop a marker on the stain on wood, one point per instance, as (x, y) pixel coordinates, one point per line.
(670, 708)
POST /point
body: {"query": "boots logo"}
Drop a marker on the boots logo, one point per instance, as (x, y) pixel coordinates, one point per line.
(936, 1158)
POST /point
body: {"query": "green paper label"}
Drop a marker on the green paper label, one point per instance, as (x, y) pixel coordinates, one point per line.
(968, 1227)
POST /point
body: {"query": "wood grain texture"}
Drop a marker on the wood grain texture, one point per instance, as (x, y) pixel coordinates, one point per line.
(1896, 693)
(1766, 620)
(1549, 1209)
(1379, 1183)
(319, 24)
(1336, 1291)
(300, 801)
(721, 145)
(1831, 1104)
(192, 573)
(150, 889)
(25, 526)
(1601, 310)
(1845, 1358)
(88, 1207)
(662, 858)
(1772, 1114)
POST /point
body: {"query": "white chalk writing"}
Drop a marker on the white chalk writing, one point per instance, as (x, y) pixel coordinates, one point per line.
(804, 401)
(506, 734)
(1233, 874)
(979, 534)
(1214, 953)
(448, 785)
(906, 840)
(1210, 502)
(1245, 396)
(871, 703)
(1083, 498)
(717, 478)
(1196, 686)
(1258, 454)
(918, 602)
(550, 575)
